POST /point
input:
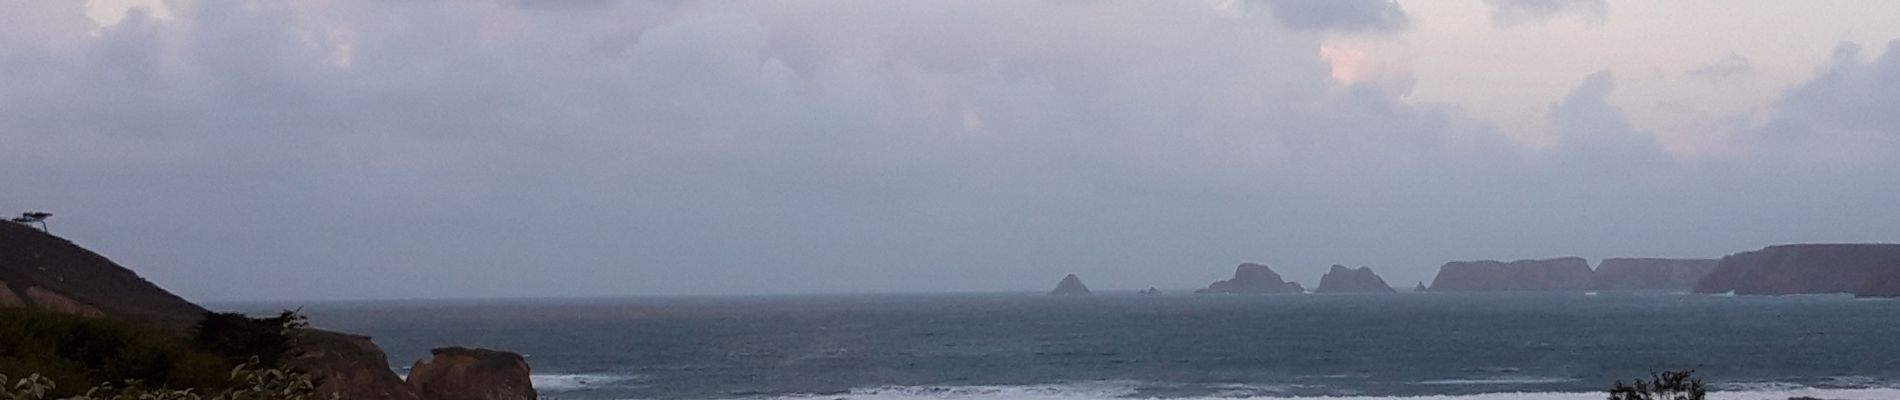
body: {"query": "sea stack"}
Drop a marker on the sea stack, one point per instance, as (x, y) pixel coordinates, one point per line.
(1250, 278)
(1566, 273)
(1863, 269)
(1071, 286)
(1352, 280)
(1650, 273)
(460, 373)
(1420, 287)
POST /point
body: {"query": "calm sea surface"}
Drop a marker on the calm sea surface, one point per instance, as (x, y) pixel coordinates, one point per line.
(1569, 345)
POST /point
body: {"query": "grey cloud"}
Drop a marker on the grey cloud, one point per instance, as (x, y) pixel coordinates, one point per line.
(774, 147)
(1507, 13)
(1844, 116)
(1340, 15)
(1591, 127)
(1730, 65)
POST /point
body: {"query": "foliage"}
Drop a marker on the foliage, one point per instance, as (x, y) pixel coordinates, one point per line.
(76, 352)
(240, 337)
(73, 353)
(245, 383)
(1665, 385)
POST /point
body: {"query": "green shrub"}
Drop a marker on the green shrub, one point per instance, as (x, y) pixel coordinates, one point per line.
(1666, 385)
(243, 383)
(239, 337)
(76, 352)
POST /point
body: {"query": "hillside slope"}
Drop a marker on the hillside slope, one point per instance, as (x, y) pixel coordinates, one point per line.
(44, 271)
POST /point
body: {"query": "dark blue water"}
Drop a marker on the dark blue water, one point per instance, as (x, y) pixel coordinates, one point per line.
(1170, 346)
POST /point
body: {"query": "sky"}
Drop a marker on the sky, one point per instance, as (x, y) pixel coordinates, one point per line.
(359, 149)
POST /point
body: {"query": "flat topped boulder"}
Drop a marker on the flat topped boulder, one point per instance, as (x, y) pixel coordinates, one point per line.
(1565, 273)
(460, 373)
(1806, 269)
(1251, 278)
(1340, 279)
(1651, 273)
(1071, 286)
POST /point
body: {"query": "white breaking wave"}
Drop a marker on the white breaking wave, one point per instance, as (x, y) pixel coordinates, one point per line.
(546, 383)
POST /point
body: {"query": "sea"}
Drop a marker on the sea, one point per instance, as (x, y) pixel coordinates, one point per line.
(1169, 346)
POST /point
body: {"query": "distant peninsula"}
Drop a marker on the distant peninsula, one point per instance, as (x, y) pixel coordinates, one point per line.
(1861, 269)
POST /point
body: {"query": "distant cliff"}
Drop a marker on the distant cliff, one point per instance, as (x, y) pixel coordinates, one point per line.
(1350, 280)
(1651, 273)
(1070, 286)
(1567, 273)
(1805, 268)
(1250, 278)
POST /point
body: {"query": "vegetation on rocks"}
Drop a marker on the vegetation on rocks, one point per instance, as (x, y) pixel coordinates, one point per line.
(63, 356)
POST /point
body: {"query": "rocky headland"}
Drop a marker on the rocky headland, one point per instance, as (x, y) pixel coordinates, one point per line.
(1862, 269)
(1251, 278)
(1340, 279)
(1566, 273)
(44, 272)
(1650, 273)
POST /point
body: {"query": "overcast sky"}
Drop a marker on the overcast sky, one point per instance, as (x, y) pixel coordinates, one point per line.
(233, 150)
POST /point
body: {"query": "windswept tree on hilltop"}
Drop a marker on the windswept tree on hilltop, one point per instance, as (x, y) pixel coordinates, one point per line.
(31, 217)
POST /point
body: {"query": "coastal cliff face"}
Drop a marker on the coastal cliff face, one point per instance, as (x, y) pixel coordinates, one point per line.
(1250, 278)
(1805, 269)
(1651, 273)
(1352, 280)
(458, 373)
(1883, 284)
(348, 365)
(43, 271)
(1070, 286)
(1567, 273)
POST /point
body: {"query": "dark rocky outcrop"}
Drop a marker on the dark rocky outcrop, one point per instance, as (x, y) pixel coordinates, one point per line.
(1250, 278)
(458, 373)
(349, 365)
(1567, 273)
(1352, 280)
(1070, 286)
(1650, 273)
(1420, 287)
(1150, 291)
(44, 271)
(1805, 269)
